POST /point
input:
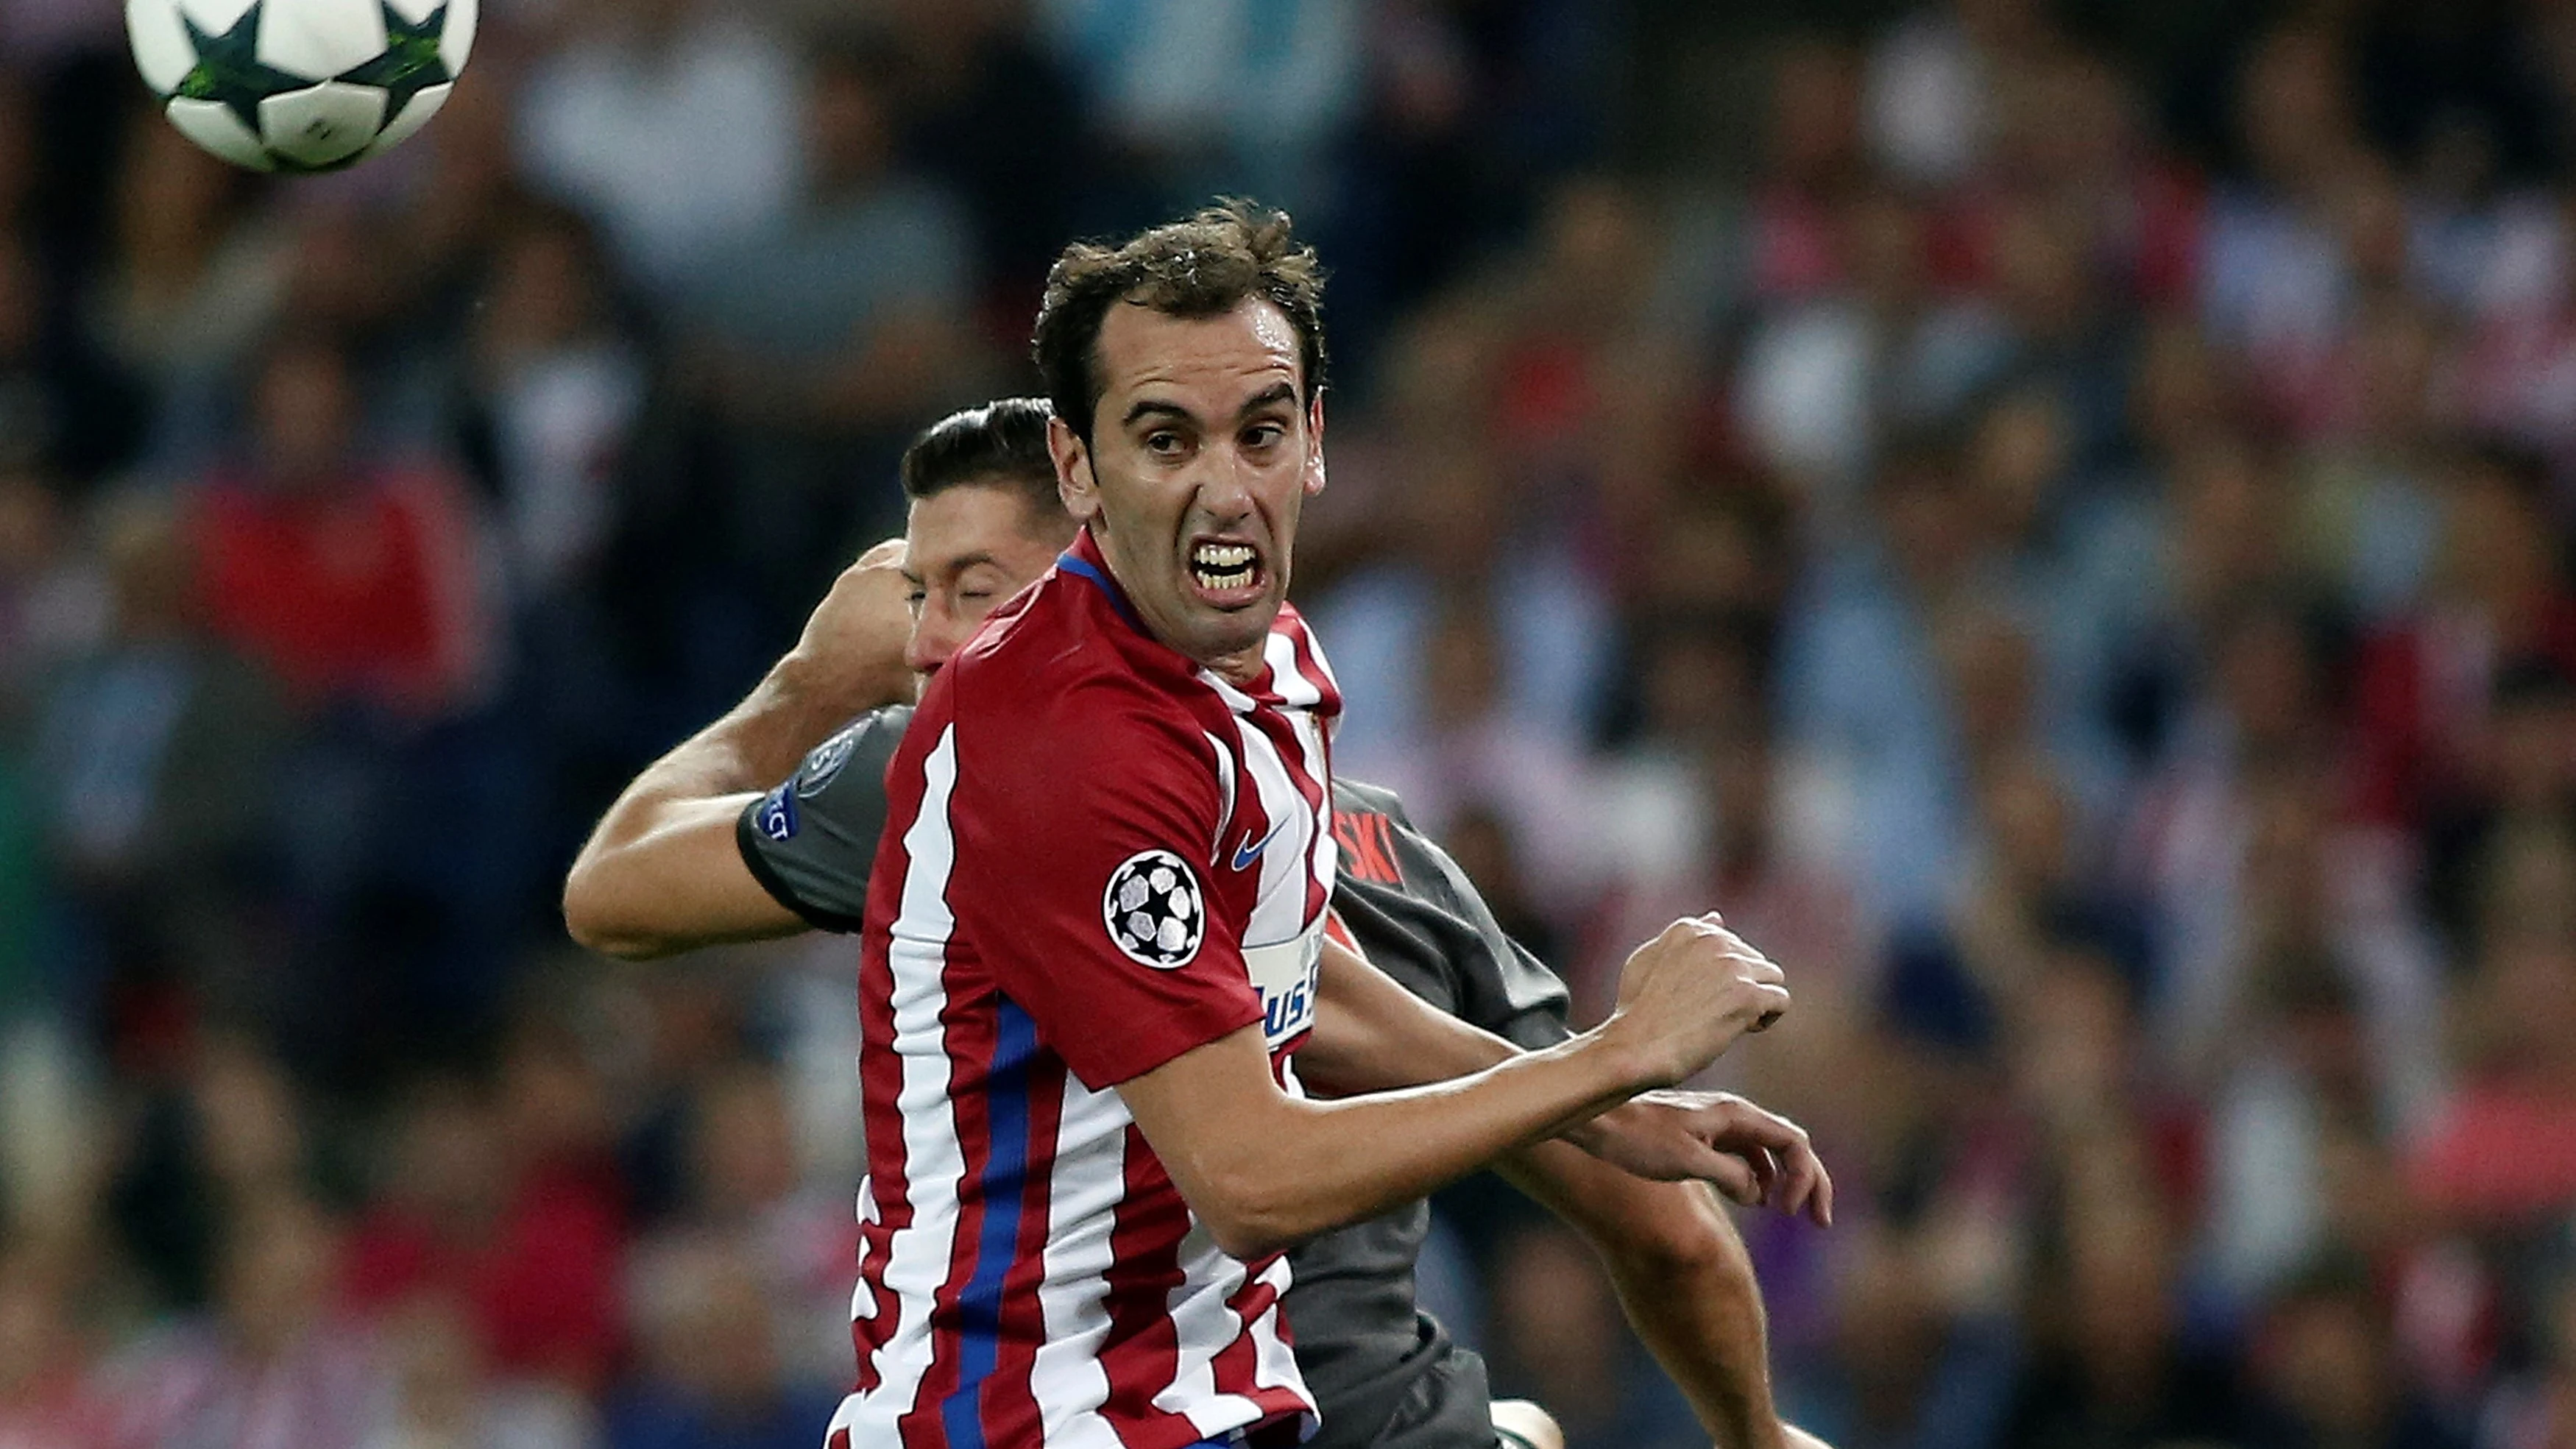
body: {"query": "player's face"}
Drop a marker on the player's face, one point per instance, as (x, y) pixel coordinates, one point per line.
(1201, 456)
(965, 551)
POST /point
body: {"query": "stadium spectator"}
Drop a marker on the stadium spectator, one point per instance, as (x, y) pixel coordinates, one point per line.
(63, 411)
(354, 580)
(821, 337)
(708, 1331)
(46, 1401)
(529, 1249)
(157, 748)
(1887, 480)
(674, 122)
(195, 277)
(270, 1357)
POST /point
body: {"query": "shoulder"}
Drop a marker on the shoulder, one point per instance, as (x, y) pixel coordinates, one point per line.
(1052, 659)
(1048, 690)
(1357, 797)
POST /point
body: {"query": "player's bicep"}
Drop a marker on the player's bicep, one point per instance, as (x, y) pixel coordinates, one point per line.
(1204, 1112)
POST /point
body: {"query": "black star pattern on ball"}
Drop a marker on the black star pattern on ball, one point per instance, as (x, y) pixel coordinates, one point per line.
(411, 63)
(229, 69)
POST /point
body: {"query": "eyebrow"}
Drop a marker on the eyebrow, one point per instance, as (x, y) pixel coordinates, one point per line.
(960, 564)
(1271, 396)
(1155, 407)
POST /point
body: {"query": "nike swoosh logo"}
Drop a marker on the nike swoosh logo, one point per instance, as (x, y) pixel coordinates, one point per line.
(1250, 850)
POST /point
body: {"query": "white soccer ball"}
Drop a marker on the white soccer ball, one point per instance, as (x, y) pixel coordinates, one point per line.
(299, 85)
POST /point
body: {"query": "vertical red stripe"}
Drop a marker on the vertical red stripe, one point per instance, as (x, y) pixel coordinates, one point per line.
(1310, 663)
(1141, 1354)
(881, 1078)
(1010, 1397)
(1233, 1365)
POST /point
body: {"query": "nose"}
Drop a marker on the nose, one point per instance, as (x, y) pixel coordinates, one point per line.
(1224, 486)
(935, 636)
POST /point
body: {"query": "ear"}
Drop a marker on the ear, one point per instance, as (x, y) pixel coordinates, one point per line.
(1315, 445)
(1075, 482)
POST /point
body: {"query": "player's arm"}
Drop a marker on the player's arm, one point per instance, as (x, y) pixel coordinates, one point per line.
(1683, 1278)
(1265, 1170)
(1674, 1256)
(1372, 1035)
(1678, 1265)
(667, 870)
(1083, 827)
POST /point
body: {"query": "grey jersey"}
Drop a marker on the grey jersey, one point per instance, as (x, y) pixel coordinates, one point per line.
(813, 841)
(1386, 1375)
(1384, 1371)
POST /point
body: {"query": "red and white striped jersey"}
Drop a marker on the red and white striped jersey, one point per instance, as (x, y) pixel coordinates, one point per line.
(1098, 856)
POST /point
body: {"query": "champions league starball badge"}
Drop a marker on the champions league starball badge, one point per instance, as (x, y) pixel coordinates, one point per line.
(1153, 910)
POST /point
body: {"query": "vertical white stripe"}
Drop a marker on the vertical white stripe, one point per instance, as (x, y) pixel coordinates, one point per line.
(1322, 672)
(1279, 910)
(1286, 680)
(863, 1302)
(917, 1262)
(1326, 856)
(1085, 1184)
(1275, 1366)
(1324, 853)
(1224, 795)
(1206, 1323)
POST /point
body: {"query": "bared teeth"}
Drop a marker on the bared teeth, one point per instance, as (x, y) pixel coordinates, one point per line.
(1224, 565)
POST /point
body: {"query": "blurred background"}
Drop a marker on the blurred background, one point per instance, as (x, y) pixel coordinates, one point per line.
(2054, 517)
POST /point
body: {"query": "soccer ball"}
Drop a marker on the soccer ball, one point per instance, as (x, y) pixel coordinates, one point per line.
(299, 85)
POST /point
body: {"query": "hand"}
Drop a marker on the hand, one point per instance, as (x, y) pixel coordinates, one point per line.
(852, 647)
(1753, 1156)
(1685, 996)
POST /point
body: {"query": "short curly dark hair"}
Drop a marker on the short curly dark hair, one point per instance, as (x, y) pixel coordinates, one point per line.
(1201, 267)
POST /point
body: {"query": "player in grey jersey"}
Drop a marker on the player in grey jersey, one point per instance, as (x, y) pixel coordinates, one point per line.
(1385, 1374)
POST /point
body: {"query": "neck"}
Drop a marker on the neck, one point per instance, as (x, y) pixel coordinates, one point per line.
(1242, 667)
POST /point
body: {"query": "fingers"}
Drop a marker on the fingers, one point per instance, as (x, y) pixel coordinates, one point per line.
(1732, 1175)
(1806, 1188)
(1766, 1172)
(1766, 1003)
(1797, 1182)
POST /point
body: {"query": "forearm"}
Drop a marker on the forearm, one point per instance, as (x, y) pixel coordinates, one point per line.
(1682, 1276)
(655, 876)
(1372, 1035)
(1291, 1168)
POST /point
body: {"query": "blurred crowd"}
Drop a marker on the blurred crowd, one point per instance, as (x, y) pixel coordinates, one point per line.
(2055, 519)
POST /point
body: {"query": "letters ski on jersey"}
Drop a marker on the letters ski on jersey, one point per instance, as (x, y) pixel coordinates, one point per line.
(1098, 856)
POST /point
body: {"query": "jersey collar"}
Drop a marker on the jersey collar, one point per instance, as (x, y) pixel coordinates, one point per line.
(1085, 561)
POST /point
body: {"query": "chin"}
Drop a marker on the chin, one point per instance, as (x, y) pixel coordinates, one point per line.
(1235, 638)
